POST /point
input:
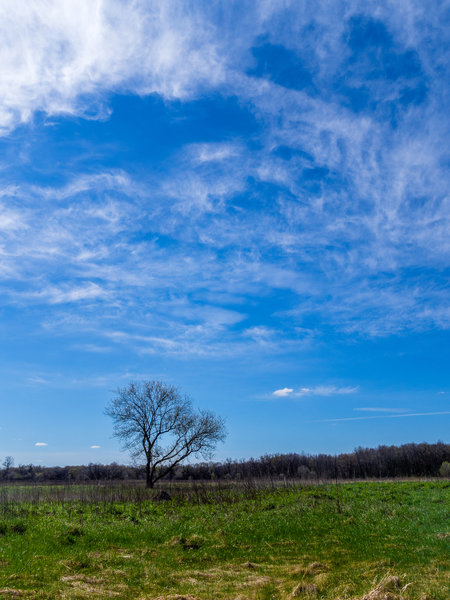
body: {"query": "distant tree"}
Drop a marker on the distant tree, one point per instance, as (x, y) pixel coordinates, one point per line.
(7, 465)
(444, 470)
(156, 422)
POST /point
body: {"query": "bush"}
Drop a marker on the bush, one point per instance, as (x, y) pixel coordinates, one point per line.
(444, 471)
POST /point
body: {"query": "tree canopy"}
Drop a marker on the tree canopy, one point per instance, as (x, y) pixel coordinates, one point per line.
(155, 421)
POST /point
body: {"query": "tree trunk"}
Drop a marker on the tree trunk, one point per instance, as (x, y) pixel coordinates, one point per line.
(148, 478)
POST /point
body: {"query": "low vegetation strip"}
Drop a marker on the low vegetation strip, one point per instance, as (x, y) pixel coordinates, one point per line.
(368, 540)
(408, 460)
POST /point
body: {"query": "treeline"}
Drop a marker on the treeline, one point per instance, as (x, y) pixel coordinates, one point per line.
(408, 460)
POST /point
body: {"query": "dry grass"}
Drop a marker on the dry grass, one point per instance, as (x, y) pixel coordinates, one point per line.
(304, 590)
(313, 568)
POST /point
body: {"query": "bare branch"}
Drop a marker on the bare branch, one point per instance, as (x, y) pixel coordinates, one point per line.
(154, 420)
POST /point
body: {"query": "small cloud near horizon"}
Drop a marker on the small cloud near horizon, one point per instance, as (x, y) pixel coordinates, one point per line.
(396, 416)
(385, 410)
(41, 444)
(319, 390)
(283, 392)
(37, 379)
(94, 446)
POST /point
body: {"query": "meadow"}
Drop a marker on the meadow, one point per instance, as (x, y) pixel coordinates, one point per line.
(372, 540)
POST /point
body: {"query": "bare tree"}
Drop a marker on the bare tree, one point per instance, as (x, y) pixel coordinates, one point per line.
(156, 422)
(8, 464)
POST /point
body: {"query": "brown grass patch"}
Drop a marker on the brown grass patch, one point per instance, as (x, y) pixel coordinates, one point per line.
(177, 597)
(320, 579)
(307, 590)
(88, 585)
(257, 580)
(388, 589)
(84, 578)
(10, 592)
(282, 543)
(314, 568)
(215, 573)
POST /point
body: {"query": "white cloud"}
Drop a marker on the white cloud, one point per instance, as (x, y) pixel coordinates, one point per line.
(11, 220)
(214, 152)
(55, 295)
(425, 414)
(41, 444)
(319, 390)
(327, 390)
(361, 257)
(379, 409)
(37, 379)
(91, 348)
(283, 392)
(94, 446)
(62, 57)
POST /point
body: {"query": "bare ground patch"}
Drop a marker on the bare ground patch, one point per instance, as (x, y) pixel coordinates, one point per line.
(11, 593)
(88, 586)
(304, 590)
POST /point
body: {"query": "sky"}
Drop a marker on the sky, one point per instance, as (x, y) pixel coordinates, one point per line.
(247, 200)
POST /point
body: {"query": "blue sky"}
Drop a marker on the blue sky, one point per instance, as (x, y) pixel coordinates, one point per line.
(248, 200)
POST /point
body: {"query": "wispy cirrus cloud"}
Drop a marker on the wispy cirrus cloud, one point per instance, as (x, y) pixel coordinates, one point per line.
(331, 202)
(400, 416)
(319, 390)
(69, 294)
(68, 58)
(328, 390)
(213, 192)
(380, 409)
(37, 379)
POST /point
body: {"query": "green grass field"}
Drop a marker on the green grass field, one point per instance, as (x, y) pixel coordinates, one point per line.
(382, 541)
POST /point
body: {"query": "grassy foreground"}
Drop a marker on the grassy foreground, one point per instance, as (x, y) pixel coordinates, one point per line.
(381, 541)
